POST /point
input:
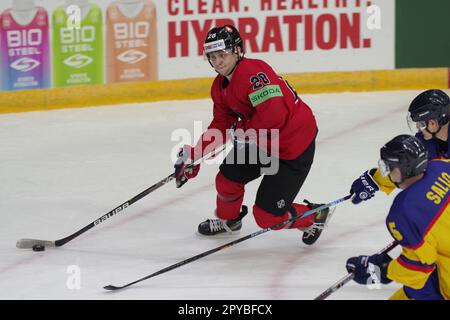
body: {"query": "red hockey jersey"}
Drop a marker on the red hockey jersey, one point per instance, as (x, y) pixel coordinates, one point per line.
(260, 99)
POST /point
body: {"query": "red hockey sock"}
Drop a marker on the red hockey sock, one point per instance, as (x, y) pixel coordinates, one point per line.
(266, 219)
(230, 196)
(302, 222)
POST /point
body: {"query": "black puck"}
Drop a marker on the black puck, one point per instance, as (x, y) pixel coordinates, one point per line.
(38, 247)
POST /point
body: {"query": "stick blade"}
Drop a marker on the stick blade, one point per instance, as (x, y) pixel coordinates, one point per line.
(29, 243)
(111, 288)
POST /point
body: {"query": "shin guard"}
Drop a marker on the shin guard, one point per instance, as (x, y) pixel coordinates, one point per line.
(230, 196)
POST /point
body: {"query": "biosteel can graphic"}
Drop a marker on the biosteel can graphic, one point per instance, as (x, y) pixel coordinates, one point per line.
(78, 50)
(131, 41)
(24, 62)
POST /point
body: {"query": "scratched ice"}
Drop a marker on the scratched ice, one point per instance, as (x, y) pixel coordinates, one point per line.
(61, 170)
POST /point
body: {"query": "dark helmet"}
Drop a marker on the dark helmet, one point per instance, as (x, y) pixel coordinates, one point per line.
(431, 104)
(221, 38)
(406, 153)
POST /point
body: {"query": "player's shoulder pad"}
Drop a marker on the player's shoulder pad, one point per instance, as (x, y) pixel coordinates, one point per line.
(400, 222)
(262, 81)
(439, 160)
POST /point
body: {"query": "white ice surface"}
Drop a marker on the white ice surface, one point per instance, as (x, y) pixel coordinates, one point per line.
(61, 170)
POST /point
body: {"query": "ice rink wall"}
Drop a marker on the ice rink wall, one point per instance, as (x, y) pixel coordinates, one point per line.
(74, 53)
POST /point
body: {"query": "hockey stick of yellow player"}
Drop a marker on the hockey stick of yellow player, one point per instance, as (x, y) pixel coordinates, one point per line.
(349, 277)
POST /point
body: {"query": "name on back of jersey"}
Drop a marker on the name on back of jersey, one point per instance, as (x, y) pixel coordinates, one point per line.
(440, 188)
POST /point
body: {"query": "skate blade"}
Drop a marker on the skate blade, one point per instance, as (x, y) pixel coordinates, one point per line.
(330, 214)
(218, 236)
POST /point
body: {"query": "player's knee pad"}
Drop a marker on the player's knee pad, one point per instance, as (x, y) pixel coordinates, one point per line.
(230, 196)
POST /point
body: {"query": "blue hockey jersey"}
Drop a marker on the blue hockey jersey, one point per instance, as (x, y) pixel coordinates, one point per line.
(435, 150)
(419, 219)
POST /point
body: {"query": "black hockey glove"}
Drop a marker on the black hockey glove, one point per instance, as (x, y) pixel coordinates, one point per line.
(369, 269)
(364, 187)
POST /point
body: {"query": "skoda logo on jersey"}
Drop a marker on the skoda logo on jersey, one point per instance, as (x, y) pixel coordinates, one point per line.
(78, 61)
(132, 56)
(25, 64)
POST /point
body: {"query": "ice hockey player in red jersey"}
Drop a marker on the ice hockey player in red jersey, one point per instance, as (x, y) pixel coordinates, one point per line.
(266, 118)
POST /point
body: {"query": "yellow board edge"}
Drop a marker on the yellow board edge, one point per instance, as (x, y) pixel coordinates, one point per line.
(199, 88)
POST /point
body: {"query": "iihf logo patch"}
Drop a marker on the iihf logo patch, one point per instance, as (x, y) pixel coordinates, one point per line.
(281, 204)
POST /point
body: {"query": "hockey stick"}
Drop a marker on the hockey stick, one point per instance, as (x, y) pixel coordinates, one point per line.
(229, 244)
(29, 243)
(349, 277)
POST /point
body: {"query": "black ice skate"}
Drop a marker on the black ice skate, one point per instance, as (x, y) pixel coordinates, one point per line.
(311, 234)
(212, 227)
